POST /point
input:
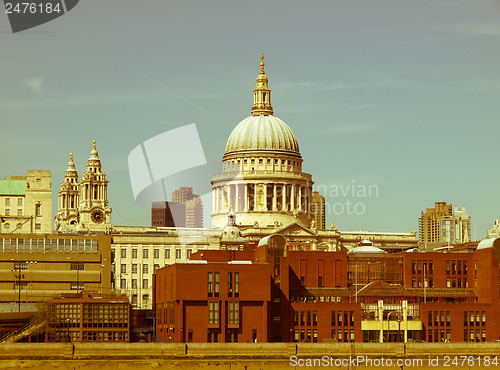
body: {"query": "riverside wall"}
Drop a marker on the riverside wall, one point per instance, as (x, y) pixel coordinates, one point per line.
(248, 356)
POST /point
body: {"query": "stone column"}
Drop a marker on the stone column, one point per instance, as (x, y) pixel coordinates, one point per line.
(236, 198)
(265, 197)
(274, 198)
(246, 197)
(300, 197)
(284, 206)
(292, 198)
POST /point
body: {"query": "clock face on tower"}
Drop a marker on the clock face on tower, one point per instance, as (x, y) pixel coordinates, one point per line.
(97, 216)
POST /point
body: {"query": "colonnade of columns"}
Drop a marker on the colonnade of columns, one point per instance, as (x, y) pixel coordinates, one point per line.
(261, 197)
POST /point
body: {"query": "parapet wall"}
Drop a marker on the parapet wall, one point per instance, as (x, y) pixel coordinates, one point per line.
(239, 350)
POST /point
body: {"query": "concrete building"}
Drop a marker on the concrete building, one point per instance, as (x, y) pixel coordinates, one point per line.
(365, 295)
(168, 214)
(444, 224)
(35, 267)
(318, 210)
(88, 318)
(494, 232)
(26, 203)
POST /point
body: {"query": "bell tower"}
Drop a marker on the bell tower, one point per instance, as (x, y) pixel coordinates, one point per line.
(67, 210)
(95, 213)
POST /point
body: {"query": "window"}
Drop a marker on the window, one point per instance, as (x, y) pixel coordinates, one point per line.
(38, 209)
(134, 268)
(123, 253)
(7, 212)
(77, 266)
(308, 316)
(145, 253)
(236, 284)
(210, 284)
(296, 320)
(190, 335)
(465, 267)
(178, 254)
(213, 312)
(447, 267)
(229, 284)
(333, 318)
(431, 267)
(38, 226)
(189, 252)
(233, 312)
(123, 268)
(145, 284)
(123, 284)
(155, 267)
(19, 212)
(167, 253)
(315, 318)
(7, 202)
(134, 299)
(134, 253)
(145, 268)
(20, 202)
(134, 283)
(156, 253)
(216, 284)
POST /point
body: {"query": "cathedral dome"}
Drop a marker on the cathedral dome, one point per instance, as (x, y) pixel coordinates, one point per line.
(256, 133)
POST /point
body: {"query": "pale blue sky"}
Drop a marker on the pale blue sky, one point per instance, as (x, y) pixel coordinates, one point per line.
(401, 94)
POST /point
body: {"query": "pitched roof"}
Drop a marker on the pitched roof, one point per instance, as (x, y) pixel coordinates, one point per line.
(380, 288)
(443, 292)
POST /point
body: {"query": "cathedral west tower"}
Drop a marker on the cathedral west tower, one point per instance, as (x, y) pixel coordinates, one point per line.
(262, 180)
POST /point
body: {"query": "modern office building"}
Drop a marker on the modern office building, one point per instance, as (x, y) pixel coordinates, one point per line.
(88, 318)
(444, 224)
(26, 203)
(36, 267)
(318, 210)
(494, 232)
(365, 295)
(168, 214)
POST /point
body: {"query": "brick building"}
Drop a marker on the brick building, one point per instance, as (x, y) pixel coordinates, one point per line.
(364, 295)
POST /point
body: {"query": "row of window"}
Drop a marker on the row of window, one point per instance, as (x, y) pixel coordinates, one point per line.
(19, 225)
(66, 245)
(233, 284)
(145, 268)
(19, 212)
(456, 267)
(145, 284)
(419, 267)
(342, 318)
(306, 318)
(156, 253)
(438, 318)
(306, 335)
(19, 202)
(438, 335)
(303, 272)
(480, 318)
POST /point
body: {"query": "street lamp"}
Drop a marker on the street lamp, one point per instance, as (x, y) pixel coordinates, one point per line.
(19, 276)
(102, 265)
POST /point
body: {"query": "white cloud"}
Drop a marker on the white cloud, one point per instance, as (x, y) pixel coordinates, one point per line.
(35, 84)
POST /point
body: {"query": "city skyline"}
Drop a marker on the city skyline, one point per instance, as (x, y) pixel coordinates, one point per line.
(401, 97)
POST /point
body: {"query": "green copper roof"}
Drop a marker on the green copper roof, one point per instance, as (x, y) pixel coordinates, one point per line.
(12, 187)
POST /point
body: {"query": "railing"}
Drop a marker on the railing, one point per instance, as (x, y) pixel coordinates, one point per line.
(24, 331)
